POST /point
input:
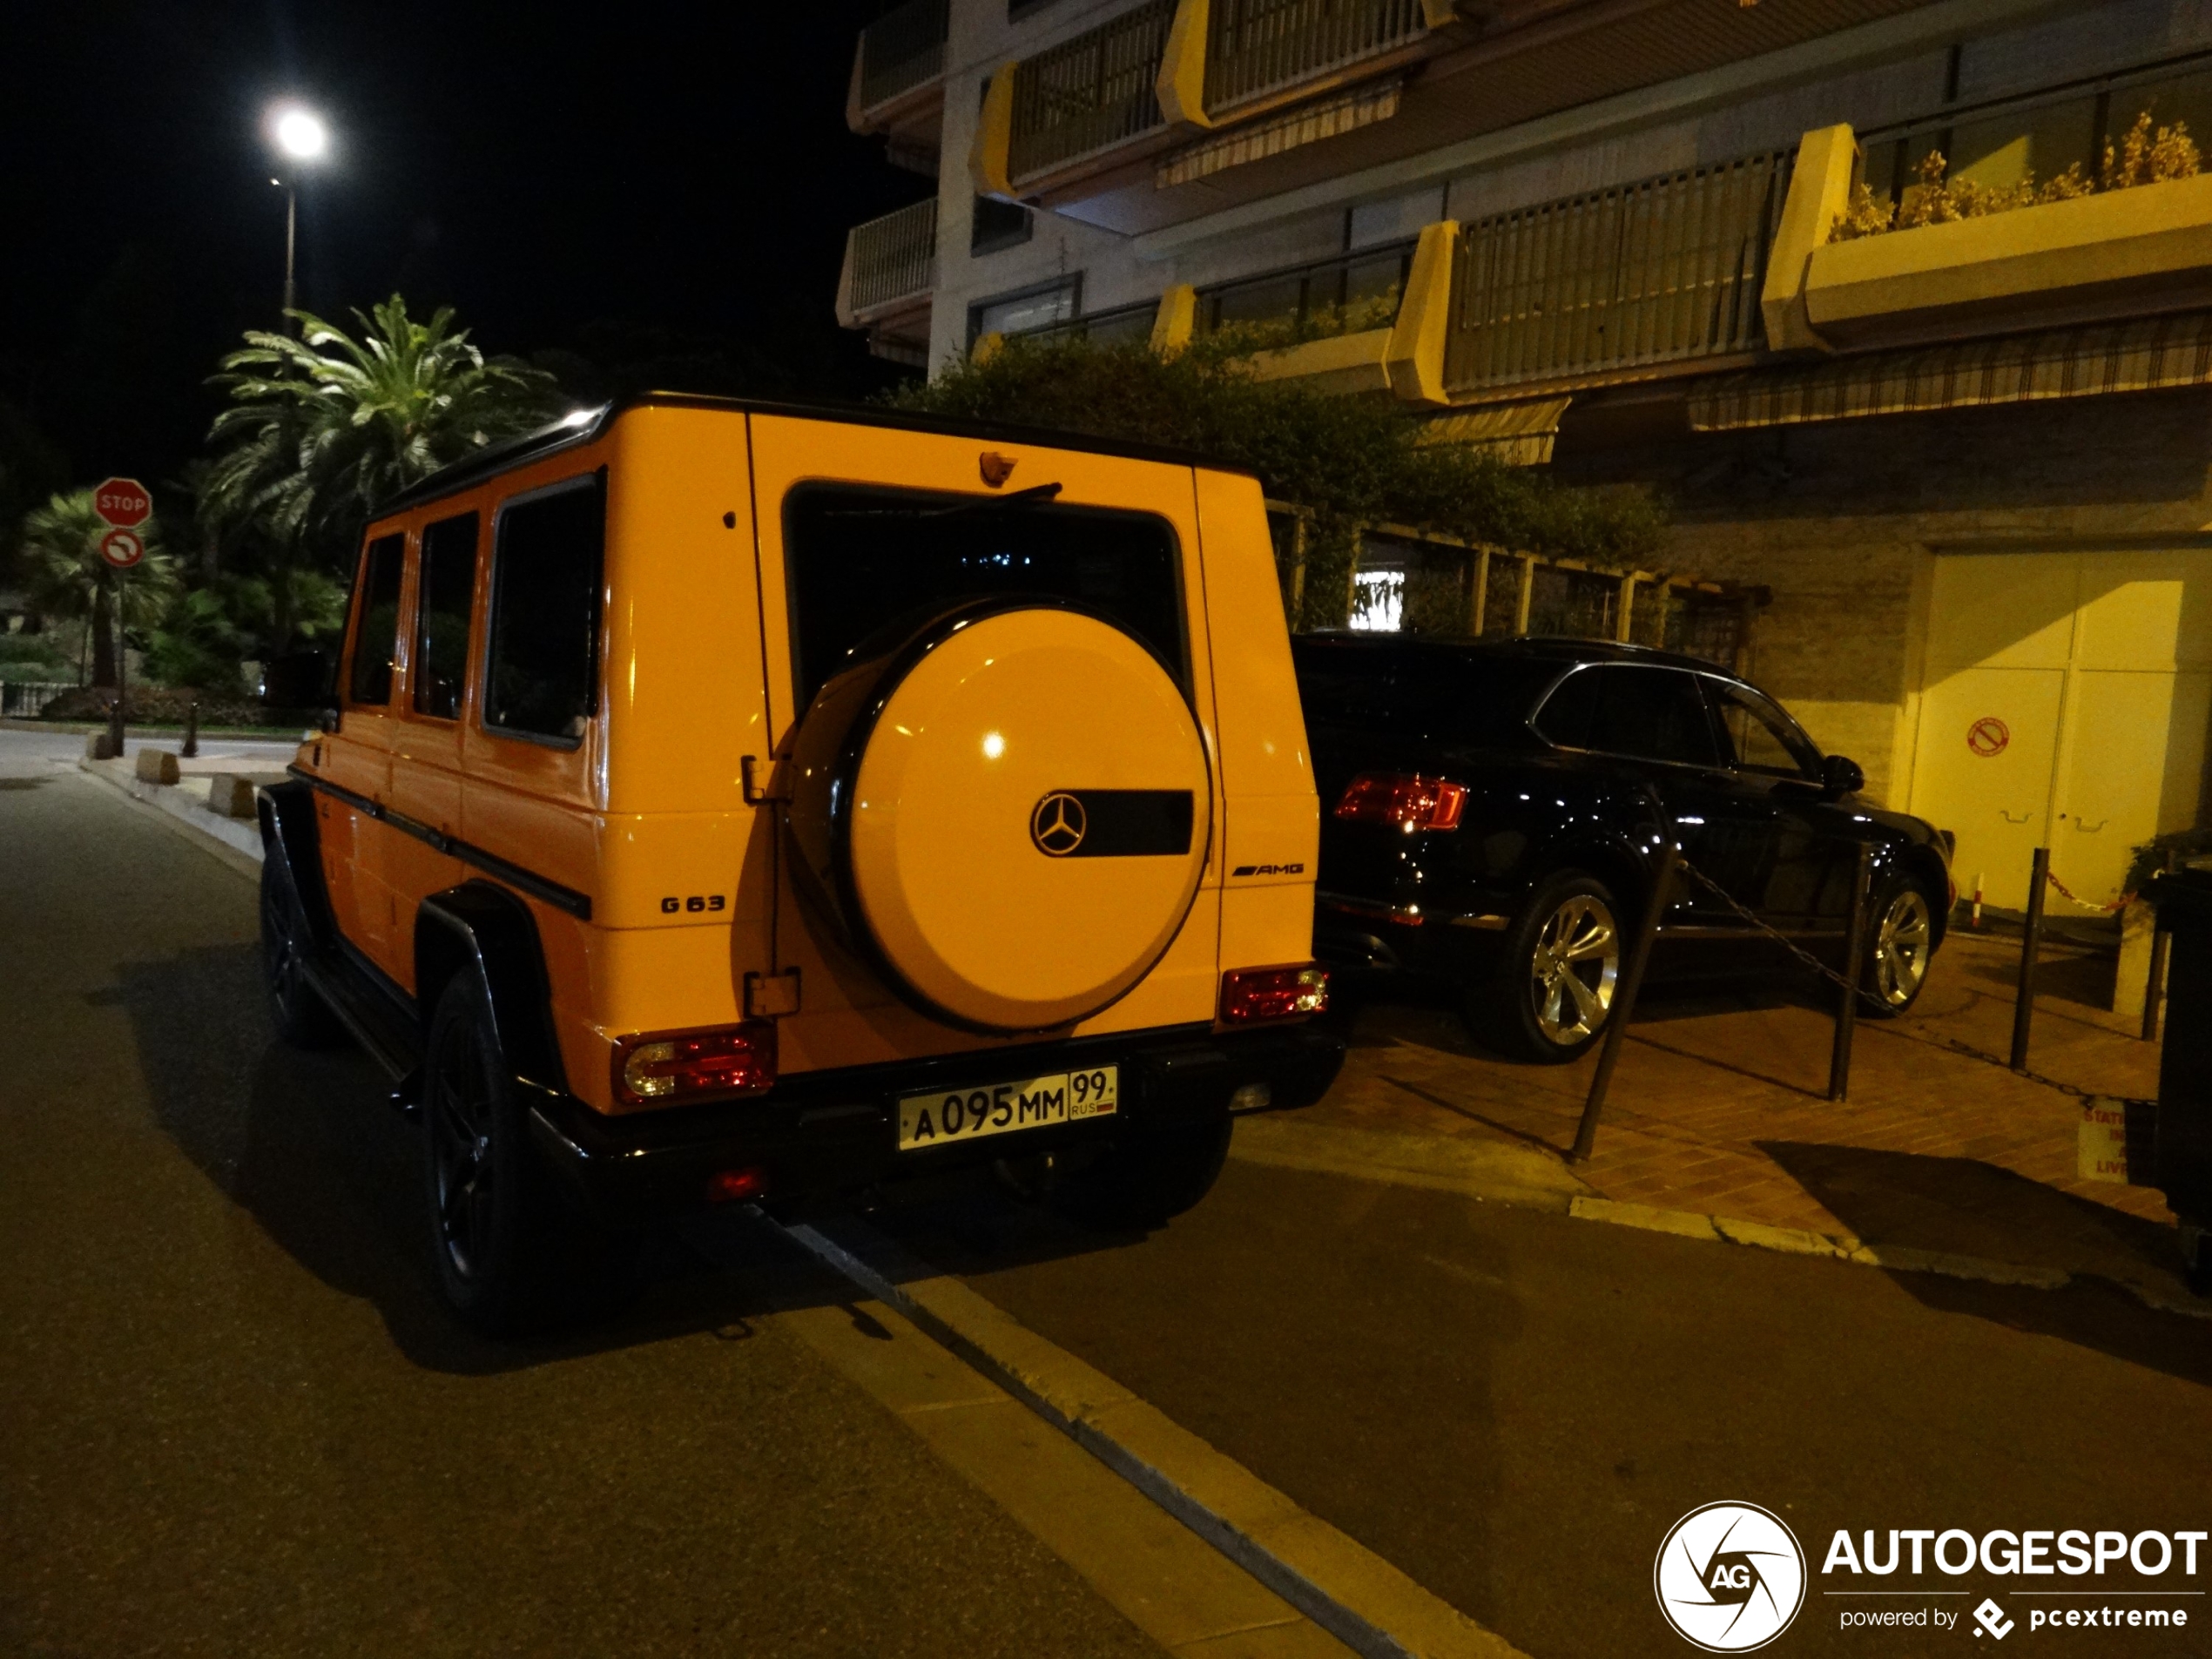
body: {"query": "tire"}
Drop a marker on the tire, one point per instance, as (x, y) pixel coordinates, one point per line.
(299, 1015)
(509, 1253)
(1901, 947)
(1552, 991)
(2196, 1259)
(1158, 1170)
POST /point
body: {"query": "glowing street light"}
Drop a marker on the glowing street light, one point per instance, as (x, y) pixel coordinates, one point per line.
(300, 135)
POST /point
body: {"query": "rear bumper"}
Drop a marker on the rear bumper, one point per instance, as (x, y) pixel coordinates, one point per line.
(821, 1136)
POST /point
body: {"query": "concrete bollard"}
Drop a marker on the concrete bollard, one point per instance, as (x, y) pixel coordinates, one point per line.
(98, 746)
(157, 766)
(231, 795)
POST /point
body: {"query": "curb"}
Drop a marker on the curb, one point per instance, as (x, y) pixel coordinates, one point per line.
(1333, 1580)
(234, 841)
(1491, 1171)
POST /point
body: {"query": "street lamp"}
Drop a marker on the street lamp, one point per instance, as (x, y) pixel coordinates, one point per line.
(299, 135)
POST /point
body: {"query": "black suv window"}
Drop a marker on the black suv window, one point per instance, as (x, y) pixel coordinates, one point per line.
(1644, 712)
(376, 626)
(1761, 736)
(867, 566)
(444, 595)
(545, 613)
(1421, 690)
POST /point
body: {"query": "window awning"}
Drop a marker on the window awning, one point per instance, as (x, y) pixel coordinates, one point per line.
(1520, 435)
(2154, 354)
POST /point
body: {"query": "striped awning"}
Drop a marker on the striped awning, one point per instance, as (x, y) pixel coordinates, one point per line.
(1521, 434)
(2154, 354)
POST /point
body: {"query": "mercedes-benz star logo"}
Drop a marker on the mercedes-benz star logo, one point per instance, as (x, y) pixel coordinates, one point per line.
(1057, 824)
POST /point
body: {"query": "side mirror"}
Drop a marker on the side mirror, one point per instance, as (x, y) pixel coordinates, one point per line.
(1841, 775)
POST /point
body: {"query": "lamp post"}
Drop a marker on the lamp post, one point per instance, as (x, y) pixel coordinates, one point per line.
(300, 137)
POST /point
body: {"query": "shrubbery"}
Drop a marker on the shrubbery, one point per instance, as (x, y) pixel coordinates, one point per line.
(1350, 461)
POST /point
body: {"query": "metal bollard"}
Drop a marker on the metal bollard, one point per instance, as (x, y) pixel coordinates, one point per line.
(1624, 1001)
(192, 731)
(115, 729)
(1847, 999)
(2024, 999)
(2153, 992)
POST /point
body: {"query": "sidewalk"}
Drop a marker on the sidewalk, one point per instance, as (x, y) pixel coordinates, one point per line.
(1718, 1109)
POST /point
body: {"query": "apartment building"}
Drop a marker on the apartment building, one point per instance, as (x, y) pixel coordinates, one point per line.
(1950, 422)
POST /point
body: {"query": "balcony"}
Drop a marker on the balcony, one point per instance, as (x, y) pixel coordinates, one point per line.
(901, 57)
(1617, 282)
(1085, 95)
(2137, 251)
(886, 286)
(1121, 326)
(1257, 49)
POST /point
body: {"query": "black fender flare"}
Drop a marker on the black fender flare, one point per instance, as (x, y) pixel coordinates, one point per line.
(481, 926)
(290, 839)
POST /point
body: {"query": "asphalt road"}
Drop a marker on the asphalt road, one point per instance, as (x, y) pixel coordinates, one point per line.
(236, 1420)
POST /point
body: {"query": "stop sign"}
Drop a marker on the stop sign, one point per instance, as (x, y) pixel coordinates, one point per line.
(123, 502)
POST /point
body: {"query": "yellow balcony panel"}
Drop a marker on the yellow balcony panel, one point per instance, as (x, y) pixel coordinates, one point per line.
(1342, 363)
(2126, 253)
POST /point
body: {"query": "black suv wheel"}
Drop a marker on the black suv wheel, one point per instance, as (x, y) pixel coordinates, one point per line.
(300, 1017)
(1551, 991)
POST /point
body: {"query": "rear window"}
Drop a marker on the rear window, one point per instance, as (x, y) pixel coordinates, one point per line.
(867, 567)
(542, 661)
(1465, 696)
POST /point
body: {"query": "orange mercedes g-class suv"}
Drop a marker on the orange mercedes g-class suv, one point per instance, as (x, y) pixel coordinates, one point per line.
(727, 801)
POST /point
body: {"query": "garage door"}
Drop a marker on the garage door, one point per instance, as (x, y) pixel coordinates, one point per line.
(2065, 704)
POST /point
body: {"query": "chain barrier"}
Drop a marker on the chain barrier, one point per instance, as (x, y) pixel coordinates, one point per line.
(1787, 943)
(2071, 897)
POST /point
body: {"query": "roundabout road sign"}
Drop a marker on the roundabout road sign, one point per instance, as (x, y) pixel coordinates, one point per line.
(122, 549)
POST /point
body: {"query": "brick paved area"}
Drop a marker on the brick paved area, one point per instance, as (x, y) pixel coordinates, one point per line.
(1719, 1105)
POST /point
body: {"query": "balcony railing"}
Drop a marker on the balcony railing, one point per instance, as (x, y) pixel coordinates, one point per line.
(1088, 93)
(1122, 326)
(894, 258)
(1255, 46)
(902, 50)
(1345, 296)
(1667, 269)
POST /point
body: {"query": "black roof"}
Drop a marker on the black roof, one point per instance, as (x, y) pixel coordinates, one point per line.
(588, 425)
(1558, 648)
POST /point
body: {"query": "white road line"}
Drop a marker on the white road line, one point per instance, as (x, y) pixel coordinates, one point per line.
(1339, 1584)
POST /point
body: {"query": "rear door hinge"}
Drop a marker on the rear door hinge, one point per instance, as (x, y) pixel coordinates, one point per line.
(769, 996)
(764, 780)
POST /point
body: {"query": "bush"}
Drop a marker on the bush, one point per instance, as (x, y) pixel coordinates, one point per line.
(33, 656)
(1351, 461)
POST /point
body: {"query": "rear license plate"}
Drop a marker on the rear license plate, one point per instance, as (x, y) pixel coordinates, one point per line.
(1000, 1108)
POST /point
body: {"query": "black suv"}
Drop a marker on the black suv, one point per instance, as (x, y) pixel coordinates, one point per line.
(1492, 813)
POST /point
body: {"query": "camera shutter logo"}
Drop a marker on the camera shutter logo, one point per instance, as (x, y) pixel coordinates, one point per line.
(1730, 1577)
(1058, 824)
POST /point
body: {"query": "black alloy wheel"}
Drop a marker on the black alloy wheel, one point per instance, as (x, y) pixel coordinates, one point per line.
(300, 1017)
(486, 1201)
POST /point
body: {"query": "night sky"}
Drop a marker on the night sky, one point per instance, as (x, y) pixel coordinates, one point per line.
(663, 189)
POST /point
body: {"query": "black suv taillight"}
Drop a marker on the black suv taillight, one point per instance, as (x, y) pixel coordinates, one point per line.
(1411, 802)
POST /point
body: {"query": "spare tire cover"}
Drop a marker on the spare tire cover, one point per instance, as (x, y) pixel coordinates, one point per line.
(1009, 815)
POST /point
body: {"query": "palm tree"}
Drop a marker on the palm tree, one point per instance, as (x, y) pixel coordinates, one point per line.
(323, 427)
(67, 577)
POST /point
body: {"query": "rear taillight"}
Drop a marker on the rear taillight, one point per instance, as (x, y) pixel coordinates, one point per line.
(1250, 995)
(1411, 803)
(660, 1067)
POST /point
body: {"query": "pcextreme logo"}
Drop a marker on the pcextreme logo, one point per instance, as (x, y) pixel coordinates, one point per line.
(1730, 1577)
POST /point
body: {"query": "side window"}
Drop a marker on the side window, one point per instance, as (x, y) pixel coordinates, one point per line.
(541, 667)
(376, 622)
(443, 598)
(1565, 717)
(1761, 736)
(1647, 714)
